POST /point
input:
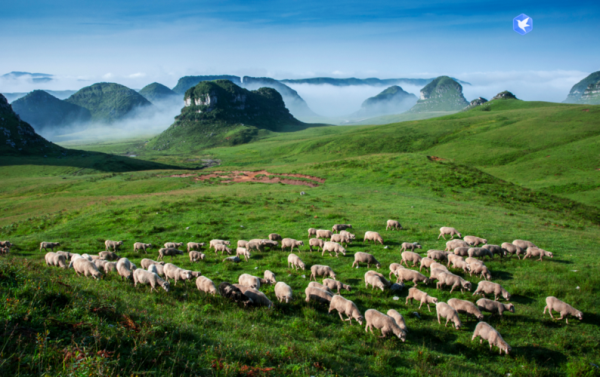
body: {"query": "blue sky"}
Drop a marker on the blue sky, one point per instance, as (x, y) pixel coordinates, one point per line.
(138, 42)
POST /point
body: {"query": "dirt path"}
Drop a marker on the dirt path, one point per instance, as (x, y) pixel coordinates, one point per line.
(239, 176)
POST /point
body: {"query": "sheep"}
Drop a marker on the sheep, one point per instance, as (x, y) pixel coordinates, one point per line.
(234, 259)
(340, 238)
(373, 236)
(336, 285)
(7, 244)
(295, 261)
(365, 258)
(269, 244)
(410, 246)
(320, 270)
(552, 303)
(322, 233)
(462, 251)
(274, 237)
(333, 246)
(153, 268)
(488, 287)
(347, 307)
(451, 257)
(268, 278)
(461, 263)
(66, 254)
(312, 232)
(447, 278)
(291, 243)
(434, 273)
(490, 306)
(242, 243)
(376, 280)
(318, 295)
(283, 292)
(222, 248)
(480, 252)
(422, 297)
(115, 245)
(412, 257)
(437, 255)
(426, 262)
(194, 246)
(125, 268)
(393, 224)
(446, 230)
(234, 294)
(480, 269)
(4, 250)
(487, 332)
(254, 245)
(510, 249)
(404, 274)
(249, 281)
(472, 261)
(49, 245)
(100, 263)
(54, 259)
(218, 242)
(257, 297)
(446, 311)
(196, 256)
(385, 323)
(164, 252)
(108, 255)
(453, 244)
(439, 266)
(474, 241)
(393, 268)
(351, 236)
(523, 244)
(314, 284)
(176, 273)
(398, 318)
(338, 227)
(145, 263)
(89, 257)
(173, 245)
(87, 268)
(147, 277)
(142, 246)
(243, 252)
(206, 285)
(537, 252)
(318, 243)
(466, 307)
(495, 249)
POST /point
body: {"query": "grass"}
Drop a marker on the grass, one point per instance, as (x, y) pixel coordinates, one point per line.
(58, 324)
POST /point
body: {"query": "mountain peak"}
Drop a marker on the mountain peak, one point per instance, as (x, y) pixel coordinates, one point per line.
(442, 94)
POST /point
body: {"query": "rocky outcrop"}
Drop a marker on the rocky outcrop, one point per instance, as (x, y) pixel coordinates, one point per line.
(476, 102)
(504, 95)
(591, 96)
(578, 90)
(442, 94)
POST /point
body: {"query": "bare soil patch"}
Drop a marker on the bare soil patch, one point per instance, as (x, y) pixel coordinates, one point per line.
(261, 176)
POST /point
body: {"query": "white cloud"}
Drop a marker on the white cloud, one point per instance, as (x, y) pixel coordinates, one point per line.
(107, 76)
(136, 75)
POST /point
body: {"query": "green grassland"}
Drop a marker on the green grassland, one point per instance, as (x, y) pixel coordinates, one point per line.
(491, 184)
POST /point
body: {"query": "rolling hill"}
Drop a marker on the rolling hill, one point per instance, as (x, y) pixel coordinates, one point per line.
(393, 100)
(156, 92)
(42, 110)
(352, 81)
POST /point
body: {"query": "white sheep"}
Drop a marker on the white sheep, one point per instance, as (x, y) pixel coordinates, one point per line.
(480, 269)
(153, 268)
(320, 270)
(523, 244)
(393, 268)
(222, 248)
(168, 252)
(448, 278)
(386, 324)
(398, 318)
(65, 253)
(453, 244)
(377, 280)
(108, 255)
(242, 243)
(465, 307)
(495, 249)
(462, 251)
(145, 263)
(511, 249)
(196, 256)
(257, 297)
(194, 246)
(537, 252)
(438, 255)
(410, 246)
(347, 307)
(312, 232)
(393, 224)
(291, 243)
(460, 263)
(274, 237)
(333, 285)
(283, 292)
(404, 274)
(360, 257)
(347, 234)
(317, 294)
(249, 281)
(490, 306)
(54, 259)
(480, 252)
(115, 245)
(110, 267)
(268, 278)
(426, 262)
(322, 233)
(141, 246)
(333, 247)
(254, 245)
(373, 236)
(487, 332)
(242, 252)
(295, 261)
(488, 287)
(176, 273)
(206, 285)
(446, 230)
(420, 296)
(340, 238)
(125, 268)
(446, 311)
(409, 256)
(474, 241)
(314, 284)
(87, 268)
(552, 303)
(212, 243)
(147, 277)
(318, 243)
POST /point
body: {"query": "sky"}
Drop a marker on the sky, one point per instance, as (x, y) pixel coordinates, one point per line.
(138, 42)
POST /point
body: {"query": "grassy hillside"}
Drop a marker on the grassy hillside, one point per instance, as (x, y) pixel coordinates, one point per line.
(156, 92)
(41, 110)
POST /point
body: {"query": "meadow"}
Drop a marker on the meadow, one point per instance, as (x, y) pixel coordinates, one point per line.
(54, 323)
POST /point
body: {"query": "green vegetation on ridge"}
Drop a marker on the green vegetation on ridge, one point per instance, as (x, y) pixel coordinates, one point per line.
(41, 110)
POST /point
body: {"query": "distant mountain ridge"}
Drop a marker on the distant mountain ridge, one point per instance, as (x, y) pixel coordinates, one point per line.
(41, 110)
(35, 77)
(156, 92)
(373, 81)
(393, 100)
(578, 90)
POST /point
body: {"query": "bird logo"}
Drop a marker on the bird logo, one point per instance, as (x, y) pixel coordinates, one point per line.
(522, 24)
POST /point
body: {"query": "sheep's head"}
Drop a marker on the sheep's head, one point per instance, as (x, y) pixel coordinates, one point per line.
(332, 275)
(165, 285)
(399, 333)
(360, 319)
(511, 307)
(466, 285)
(432, 300)
(378, 265)
(487, 274)
(347, 287)
(506, 348)
(549, 254)
(506, 295)
(459, 235)
(302, 265)
(579, 315)
(97, 274)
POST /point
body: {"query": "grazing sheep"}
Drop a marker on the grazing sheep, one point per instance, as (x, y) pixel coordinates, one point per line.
(446, 311)
(125, 268)
(365, 258)
(453, 244)
(108, 255)
(142, 246)
(89, 257)
(7, 244)
(462, 251)
(49, 245)
(439, 266)
(523, 244)
(385, 323)
(234, 294)
(222, 248)
(465, 307)
(54, 259)
(258, 298)
(110, 267)
(283, 292)
(333, 247)
(552, 303)
(451, 257)
(490, 334)
(410, 246)
(206, 285)
(338, 227)
(393, 268)
(249, 281)
(351, 236)
(347, 307)
(433, 274)
(295, 261)
(376, 280)
(87, 268)
(291, 243)
(312, 232)
(100, 264)
(537, 252)
(145, 263)
(173, 245)
(4, 250)
(480, 269)
(404, 274)
(65, 253)
(472, 261)
(115, 245)
(510, 249)
(315, 242)
(153, 268)
(488, 287)
(448, 278)
(490, 306)
(242, 252)
(218, 242)
(446, 230)
(412, 257)
(314, 284)
(147, 277)
(340, 238)
(422, 297)
(398, 318)
(426, 262)
(480, 252)
(274, 237)
(336, 285)
(437, 255)
(318, 295)
(268, 278)
(474, 241)
(194, 246)
(176, 273)
(253, 245)
(461, 263)
(320, 270)
(196, 256)
(322, 233)
(373, 236)
(393, 224)
(269, 244)
(495, 249)
(234, 259)
(242, 243)
(164, 252)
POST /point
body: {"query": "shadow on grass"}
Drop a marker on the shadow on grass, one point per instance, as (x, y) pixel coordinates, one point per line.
(521, 299)
(502, 275)
(541, 355)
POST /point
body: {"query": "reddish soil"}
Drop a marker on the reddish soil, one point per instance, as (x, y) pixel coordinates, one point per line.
(180, 175)
(251, 176)
(435, 158)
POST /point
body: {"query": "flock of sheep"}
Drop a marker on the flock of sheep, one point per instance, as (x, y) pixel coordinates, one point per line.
(246, 292)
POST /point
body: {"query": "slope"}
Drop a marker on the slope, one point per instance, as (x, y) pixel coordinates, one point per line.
(442, 94)
(156, 92)
(41, 110)
(393, 100)
(187, 82)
